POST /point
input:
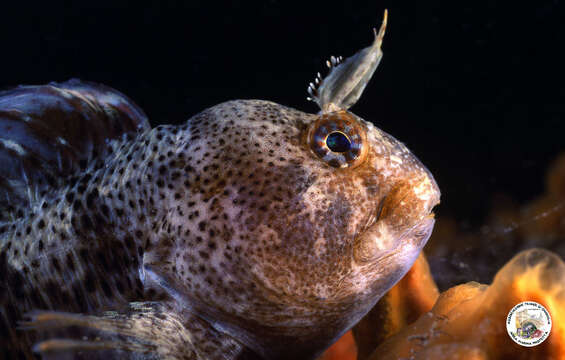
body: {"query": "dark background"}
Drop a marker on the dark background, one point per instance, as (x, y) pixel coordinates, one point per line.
(474, 88)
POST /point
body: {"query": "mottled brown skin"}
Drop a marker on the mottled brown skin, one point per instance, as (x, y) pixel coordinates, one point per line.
(247, 242)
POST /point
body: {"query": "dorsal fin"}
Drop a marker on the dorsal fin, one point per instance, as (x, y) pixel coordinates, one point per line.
(51, 132)
(345, 82)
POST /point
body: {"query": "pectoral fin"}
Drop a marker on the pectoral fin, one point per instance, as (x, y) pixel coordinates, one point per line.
(145, 330)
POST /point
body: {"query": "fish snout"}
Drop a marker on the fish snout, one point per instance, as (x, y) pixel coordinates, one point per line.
(403, 221)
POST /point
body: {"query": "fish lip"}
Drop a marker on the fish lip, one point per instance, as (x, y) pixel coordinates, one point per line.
(414, 236)
(424, 225)
(372, 220)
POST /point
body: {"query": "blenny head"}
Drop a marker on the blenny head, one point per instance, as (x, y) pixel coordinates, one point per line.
(288, 226)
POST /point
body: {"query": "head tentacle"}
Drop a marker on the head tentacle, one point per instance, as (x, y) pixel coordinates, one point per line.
(345, 82)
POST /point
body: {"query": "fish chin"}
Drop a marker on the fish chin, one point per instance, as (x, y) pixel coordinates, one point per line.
(382, 257)
(381, 241)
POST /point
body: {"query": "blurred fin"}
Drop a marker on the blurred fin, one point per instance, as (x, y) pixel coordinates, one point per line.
(145, 330)
(49, 133)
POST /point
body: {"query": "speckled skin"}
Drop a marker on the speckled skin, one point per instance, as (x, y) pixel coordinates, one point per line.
(237, 238)
(51, 132)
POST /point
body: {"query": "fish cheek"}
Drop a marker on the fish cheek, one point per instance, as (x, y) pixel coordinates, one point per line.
(305, 253)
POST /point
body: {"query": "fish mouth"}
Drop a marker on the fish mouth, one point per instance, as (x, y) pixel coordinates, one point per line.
(381, 240)
(402, 223)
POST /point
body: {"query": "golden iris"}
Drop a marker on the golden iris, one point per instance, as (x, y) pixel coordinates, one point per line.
(339, 139)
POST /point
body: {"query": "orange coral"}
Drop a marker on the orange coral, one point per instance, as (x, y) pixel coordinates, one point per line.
(343, 349)
(469, 321)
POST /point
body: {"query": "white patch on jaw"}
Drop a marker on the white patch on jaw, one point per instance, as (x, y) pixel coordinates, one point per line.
(385, 240)
(422, 189)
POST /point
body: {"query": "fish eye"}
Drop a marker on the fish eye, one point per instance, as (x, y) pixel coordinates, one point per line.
(338, 142)
(339, 139)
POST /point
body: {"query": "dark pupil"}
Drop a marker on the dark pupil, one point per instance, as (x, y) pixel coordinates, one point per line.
(337, 142)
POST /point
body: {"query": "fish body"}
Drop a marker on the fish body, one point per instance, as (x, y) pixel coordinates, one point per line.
(253, 230)
(50, 133)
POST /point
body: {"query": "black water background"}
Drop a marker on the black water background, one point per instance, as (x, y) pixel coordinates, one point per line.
(475, 88)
